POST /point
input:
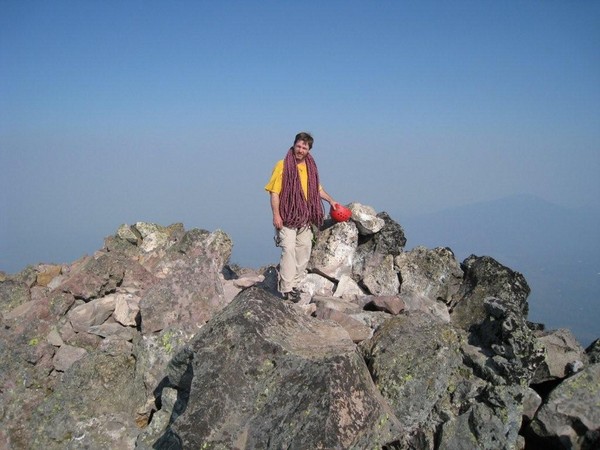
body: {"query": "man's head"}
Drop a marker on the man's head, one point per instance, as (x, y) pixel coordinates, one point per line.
(306, 137)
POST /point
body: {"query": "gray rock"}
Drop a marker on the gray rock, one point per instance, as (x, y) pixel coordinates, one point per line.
(531, 403)
(333, 253)
(95, 312)
(153, 236)
(415, 302)
(593, 352)
(113, 330)
(95, 277)
(390, 240)
(191, 290)
(431, 273)
(365, 218)
(485, 277)
(348, 288)
(127, 310)
(357, 330)
(266, 376)
(513, 352)
(562, 353)
(153, 353)
(382, 279)
(412, 360)
(12, 294)
(66, 356)
(130, 234)
(336, 303)
(92, 407)
(315, 284)
(570, 417)
(391, 304)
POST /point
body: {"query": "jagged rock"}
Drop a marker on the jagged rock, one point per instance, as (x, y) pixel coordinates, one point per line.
(412, 359)
(415, 302)
(153, 353)
(127, 310)
(593, 352)
(570, 417)
(262, 373)
(490, 424)
(365, 218)
(170, 408)
(531, 403)
(12, 294)
(95, 278)
(66, 355)
(390, 240)
(371, 319)
(265, 376)
(248, 280)
(60, 302)
(54, 338)
(155, 236)
(315, 284)
(357, 331)
(336, 303)
(485, 277)
(348, 288)
(113, 330)
(92, 407)
(46, 273)
(95, 312)
(191, 291)
(373, 249)
(514, 353)
(382, 279)
(129, 234)
(333, 253)
(562, 354)
(391, 304)
(431, 273)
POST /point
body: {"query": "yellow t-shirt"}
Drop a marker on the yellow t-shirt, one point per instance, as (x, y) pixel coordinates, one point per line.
(276, 181)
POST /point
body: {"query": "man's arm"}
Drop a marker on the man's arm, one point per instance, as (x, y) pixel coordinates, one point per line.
(277, 220)
(325, 196)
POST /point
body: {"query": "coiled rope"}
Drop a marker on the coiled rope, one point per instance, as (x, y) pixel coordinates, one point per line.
(297, 211)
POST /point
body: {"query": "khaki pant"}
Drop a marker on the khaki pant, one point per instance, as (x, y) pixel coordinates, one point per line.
(296, 244)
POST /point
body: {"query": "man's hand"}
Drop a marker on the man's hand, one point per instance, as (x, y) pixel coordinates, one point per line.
(277, 220)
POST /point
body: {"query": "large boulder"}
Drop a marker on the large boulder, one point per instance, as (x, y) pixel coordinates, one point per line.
(563, 356)
(191, 289)
(264, 375)
(92, 407)
(593, 352)
(413, 360)
(365, 218)
(333, 252)
(485, 277)
(431, 273)
(570, 417)
(381, 278)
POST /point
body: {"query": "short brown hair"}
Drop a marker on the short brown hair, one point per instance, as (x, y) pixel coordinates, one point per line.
(306, 137)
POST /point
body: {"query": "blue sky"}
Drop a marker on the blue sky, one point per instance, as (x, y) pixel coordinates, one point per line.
(115, 112)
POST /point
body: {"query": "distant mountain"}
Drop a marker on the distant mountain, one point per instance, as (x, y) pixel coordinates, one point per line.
(556, 248)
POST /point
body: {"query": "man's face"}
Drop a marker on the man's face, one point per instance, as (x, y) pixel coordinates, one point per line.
(300, 151)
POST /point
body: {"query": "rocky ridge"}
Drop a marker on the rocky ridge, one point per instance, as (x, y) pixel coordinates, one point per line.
(155, 341)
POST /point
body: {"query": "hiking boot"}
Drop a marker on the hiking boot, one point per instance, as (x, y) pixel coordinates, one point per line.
(293, 295)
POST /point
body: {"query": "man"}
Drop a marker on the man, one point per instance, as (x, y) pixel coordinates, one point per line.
(296, 196)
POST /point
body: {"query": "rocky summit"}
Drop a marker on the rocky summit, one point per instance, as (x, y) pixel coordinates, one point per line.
(157, 341)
